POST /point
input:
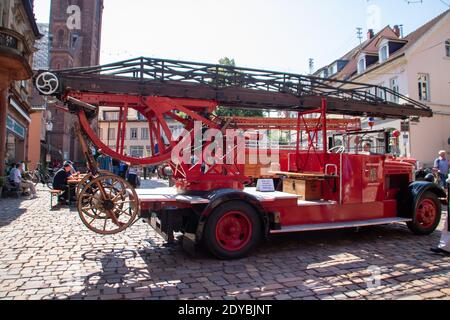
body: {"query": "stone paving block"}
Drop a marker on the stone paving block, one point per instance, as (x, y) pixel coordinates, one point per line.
(56, 257)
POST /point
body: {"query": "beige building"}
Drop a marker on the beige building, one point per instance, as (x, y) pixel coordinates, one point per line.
(18, 33)
(137, 136)
(417, 66)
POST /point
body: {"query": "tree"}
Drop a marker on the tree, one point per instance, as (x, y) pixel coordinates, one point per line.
(233, 112)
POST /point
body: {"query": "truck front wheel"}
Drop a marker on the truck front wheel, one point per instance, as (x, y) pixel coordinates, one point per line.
(232, 230)
(427, 215)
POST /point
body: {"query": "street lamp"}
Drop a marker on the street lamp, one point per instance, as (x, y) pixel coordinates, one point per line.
(48, 128)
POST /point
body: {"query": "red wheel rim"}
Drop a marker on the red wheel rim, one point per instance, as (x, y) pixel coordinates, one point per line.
(426, 213)
(233, 231)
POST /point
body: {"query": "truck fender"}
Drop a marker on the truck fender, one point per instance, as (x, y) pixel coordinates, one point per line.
(407, 200)
(219, 197)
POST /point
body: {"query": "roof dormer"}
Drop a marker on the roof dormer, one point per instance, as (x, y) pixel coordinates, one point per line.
(365, 60)
(388, 46)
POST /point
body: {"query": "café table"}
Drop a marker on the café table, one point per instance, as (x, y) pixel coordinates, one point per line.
(72, 183)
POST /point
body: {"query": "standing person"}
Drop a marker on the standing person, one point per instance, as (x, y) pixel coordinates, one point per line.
(133, 176)
(144, 169)
(441, 165)
(444, 245)
(16, 177)
(123, 168)
(115, 166)
(105, 162)
(60, 182)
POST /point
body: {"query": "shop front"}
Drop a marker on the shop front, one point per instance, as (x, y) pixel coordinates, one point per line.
(16, 136)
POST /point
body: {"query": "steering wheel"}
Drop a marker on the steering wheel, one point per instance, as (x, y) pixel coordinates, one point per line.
(337, 149)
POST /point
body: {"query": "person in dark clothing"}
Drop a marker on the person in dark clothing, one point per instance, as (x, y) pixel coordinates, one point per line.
(60, 182)
(115, 166)
(123, 170)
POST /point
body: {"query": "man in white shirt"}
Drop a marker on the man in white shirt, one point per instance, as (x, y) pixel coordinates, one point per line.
(16, 177)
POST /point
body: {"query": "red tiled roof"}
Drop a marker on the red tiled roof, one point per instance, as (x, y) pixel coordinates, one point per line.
(370, 46)
(415, 36)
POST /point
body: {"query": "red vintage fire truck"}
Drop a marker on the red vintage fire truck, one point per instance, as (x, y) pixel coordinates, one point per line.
(334, 175)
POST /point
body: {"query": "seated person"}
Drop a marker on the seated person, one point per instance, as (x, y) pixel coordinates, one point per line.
(15, 177)
(60, 183)
(73, 171)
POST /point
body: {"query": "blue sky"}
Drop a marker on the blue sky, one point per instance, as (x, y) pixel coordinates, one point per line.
(267, 34)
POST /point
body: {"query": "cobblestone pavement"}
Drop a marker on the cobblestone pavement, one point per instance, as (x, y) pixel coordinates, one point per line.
(49, 254)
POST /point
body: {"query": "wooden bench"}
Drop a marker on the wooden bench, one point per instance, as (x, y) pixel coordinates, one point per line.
(54, 193)
(12, 188)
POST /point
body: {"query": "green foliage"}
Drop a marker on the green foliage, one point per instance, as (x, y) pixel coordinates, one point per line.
(228, 112)
(227, 62)
(232, 112)
(2, 181)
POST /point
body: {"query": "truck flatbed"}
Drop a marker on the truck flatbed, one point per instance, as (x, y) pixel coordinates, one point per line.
(171, 195)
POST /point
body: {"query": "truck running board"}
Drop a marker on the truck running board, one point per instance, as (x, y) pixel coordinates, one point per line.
(339, 225)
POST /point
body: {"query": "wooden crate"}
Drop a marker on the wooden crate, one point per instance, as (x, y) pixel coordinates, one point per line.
(307, 190)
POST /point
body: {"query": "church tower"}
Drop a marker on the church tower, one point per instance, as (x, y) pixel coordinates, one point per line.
(75, 38)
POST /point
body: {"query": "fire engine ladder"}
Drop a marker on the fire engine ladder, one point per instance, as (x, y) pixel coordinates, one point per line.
(233, 87)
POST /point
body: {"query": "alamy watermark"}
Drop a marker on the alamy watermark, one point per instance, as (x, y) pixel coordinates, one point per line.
(74, 20)
(373, 281)
(214, 147)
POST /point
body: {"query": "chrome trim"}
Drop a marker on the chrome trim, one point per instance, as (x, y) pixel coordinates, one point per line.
(339, 225)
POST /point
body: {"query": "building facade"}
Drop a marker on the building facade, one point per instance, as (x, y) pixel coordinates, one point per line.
(75, 38)
(137, 133)
(18, 33)
(37, 150)
(417, 66)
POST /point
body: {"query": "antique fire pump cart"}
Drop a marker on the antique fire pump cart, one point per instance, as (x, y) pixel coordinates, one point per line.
(334, 175)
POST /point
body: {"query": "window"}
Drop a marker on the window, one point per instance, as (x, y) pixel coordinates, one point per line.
(100, 133)
(74, 40)
(110, 116)
(361, 65)
(333, 69)
(145, 134)
(133, 134)
(424, 87)
(111, 133)
(394, 87)
(447, 48)
(136, 151)
(381, 92)
(384, 53)
(140, 117)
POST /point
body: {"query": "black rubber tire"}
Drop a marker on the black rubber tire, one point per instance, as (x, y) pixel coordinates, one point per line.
(209, 237)
(415, 227)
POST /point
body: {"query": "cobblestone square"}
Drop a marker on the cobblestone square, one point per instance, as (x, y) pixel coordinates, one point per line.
(49, 254)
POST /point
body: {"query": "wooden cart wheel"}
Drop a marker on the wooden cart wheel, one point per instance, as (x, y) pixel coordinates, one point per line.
(108, 205)
(87, 178)
(89, 199)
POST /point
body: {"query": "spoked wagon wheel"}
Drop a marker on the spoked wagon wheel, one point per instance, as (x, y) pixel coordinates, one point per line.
(87, 178)
(427, 215)
(108, 205)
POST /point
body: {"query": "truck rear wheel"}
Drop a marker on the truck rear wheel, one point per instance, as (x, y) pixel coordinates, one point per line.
(232, 230)
(427, 215)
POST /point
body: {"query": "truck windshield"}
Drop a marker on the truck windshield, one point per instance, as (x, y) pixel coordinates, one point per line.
(362, 142)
